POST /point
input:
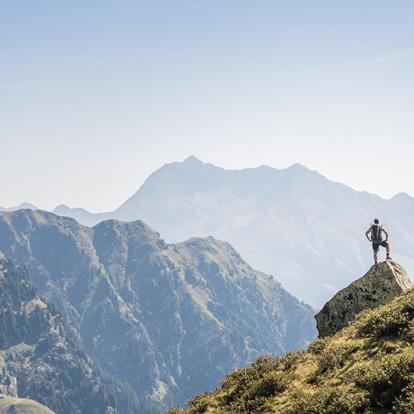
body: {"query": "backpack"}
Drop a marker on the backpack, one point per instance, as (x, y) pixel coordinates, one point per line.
(376, 233)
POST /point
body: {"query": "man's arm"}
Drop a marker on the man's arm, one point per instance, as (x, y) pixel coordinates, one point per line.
(367, 234)
(386, 234)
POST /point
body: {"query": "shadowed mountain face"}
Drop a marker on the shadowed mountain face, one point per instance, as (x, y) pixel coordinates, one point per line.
(169, 319)
(41, 358)
(293, 223)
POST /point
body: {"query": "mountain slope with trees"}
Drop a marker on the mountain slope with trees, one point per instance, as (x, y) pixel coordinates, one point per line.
(41, 357)
(168, 319)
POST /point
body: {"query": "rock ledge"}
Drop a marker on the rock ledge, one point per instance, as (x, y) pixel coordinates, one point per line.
(380, 285)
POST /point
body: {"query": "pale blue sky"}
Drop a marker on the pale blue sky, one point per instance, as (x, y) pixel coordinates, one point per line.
(95, 95)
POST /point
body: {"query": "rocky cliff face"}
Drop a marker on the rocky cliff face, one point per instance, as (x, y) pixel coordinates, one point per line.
(169, 319)
(41, 358)
(380, 285)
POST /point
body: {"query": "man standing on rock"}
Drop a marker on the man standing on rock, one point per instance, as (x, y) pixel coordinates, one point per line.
(374, 235)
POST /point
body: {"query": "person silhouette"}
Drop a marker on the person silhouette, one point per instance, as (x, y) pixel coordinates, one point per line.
(374, 235)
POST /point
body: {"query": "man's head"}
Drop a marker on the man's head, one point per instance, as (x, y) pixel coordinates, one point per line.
(376, 221)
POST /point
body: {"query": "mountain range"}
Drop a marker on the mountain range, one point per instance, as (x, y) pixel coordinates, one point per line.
(292, 223)
(163, 320)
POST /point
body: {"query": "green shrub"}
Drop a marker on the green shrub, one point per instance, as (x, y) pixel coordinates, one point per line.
(289, 360)
(385, 377)
(199, 404)
(405, 403)
(335, 356)
(318, 345)
(407, 332)
(329, 400)
(268, 386)
(238, 380)
(175, 410)
(387, 321)
(248, 389)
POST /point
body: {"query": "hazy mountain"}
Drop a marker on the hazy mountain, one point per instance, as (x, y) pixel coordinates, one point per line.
(19, 207)
(81, 215)
(170, 319)
(292, 223)
(41, 358)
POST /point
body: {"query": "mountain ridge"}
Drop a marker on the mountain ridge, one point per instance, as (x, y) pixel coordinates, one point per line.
(60, 209)
(141, 305)
(292, 222)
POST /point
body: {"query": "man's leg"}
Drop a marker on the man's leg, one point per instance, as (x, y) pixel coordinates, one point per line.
(375, 256)
(388, 251)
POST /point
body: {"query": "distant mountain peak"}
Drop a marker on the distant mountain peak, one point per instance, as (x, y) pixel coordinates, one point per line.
(22, 206)
(297, 167)
(27, 206)
(192, 159)
(402, 196)
(61, 207)
(136, 226)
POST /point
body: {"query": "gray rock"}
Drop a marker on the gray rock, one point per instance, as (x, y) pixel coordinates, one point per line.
(380, 285)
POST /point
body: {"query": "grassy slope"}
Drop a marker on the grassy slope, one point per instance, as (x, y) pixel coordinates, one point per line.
(10, 405)
(366, 368)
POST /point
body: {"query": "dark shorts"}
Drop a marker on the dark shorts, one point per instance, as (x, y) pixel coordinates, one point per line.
(376, 245)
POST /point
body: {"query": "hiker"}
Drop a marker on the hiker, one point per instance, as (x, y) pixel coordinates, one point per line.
(374, 235)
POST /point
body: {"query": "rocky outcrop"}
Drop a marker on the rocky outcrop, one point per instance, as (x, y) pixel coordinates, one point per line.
(380, 285)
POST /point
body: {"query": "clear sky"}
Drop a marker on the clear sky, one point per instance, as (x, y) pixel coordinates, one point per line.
(95, 95)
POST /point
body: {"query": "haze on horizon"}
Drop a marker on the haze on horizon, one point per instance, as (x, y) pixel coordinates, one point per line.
(95, 96)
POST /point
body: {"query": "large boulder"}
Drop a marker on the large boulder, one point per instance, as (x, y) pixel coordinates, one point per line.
(380, 285)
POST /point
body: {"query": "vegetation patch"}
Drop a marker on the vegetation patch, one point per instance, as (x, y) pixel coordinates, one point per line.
(366, 368)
